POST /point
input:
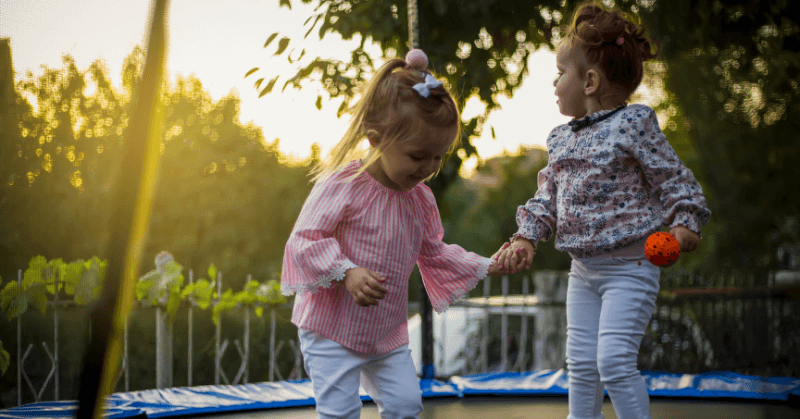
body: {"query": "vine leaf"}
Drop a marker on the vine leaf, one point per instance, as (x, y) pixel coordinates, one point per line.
(282, 44)
(5, 359)
(252, 70)
(212, 272)
(269, 40)
(269, 87)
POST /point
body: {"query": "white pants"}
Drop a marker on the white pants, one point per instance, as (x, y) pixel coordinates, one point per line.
(336, 373)
(609, 303)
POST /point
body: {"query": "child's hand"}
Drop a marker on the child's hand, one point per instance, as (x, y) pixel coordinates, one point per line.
(687, 239)
(516, 256)
(364, 286)
(494, 268)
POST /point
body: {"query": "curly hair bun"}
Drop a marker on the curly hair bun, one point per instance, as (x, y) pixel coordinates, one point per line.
(416, 60)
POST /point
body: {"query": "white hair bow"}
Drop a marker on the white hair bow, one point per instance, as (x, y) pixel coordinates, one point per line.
(424, 89)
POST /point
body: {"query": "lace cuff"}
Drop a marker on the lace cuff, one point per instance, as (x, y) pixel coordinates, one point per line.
(459, 293)
(337, 274)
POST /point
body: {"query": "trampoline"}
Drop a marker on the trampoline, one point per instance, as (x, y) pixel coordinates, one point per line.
(508, 395)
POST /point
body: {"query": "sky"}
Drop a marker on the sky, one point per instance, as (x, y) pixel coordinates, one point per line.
(220, 40)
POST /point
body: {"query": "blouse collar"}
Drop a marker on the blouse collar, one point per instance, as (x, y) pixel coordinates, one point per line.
(579, 124)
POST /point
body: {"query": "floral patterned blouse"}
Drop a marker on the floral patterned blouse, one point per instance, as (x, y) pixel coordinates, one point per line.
(611, 180)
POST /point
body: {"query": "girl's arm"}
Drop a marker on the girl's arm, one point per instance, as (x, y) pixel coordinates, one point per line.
(537, 218)
(313, 258)
(673, 183)
(448, 271)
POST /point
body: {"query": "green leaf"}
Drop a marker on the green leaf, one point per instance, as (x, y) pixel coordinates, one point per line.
(72, 275)
(269, 87)
(259, 311)
(494, 137)
(32, 276)
(285, 3)
(269, 40)
(56, 267)
(5, 359)
(319, 102)
(282, 44)
(258, 83)
(142, 289)
(173, 269)
(7, 296)
(342, 108)
(319, 16)
(18, 305)
(38, 262)
(212, 272)
(38, 298)
(252, 70)
(173, 303)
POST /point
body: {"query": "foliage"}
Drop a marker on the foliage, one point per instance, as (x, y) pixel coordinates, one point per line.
(162, 288)
(5, 359)
(480, 48)
(730, 70)
(79, 279)
(82, 280)
(727, 79)
(225, 194)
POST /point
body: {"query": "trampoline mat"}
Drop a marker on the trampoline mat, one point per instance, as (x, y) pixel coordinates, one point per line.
(547, 408)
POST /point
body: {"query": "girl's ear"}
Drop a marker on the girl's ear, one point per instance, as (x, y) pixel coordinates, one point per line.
(592, 84)
(372, 136)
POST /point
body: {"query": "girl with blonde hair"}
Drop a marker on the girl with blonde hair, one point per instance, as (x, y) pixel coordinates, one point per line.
(368, 220)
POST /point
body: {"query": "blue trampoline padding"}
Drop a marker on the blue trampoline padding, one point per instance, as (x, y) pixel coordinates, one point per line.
(181, 401)
(544, 382)
(706, 385)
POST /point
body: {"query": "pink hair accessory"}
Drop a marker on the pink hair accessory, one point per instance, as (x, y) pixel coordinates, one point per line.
(620, 40)
(416, 60)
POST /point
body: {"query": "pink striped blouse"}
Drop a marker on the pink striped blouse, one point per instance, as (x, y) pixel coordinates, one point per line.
(361, 223)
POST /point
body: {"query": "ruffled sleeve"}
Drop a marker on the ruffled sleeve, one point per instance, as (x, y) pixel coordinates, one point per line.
(313, 258)
(448, 271)
(675, 185)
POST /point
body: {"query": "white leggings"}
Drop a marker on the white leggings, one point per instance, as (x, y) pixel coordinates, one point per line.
(336, 373)
(609, 304)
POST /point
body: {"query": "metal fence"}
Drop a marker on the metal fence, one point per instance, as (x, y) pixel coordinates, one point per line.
(33, 386)
(745, 323)
(740, 323)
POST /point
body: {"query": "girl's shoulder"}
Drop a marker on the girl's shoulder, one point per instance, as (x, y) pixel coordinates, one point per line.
(557, 133)
(423, 195)
(340, 180)
(635, 113)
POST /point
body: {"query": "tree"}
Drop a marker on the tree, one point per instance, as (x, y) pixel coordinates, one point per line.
(731, 66)
(481, 48)
(731, 71)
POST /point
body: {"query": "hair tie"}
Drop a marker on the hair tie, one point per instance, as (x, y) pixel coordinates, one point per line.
(620, 40)
(416, 60)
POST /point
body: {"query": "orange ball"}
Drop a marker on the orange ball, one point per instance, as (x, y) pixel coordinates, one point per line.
(662, 249)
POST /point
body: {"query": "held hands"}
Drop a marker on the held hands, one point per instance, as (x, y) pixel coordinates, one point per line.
(364, 286)
(687, 239)
(512, 257)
